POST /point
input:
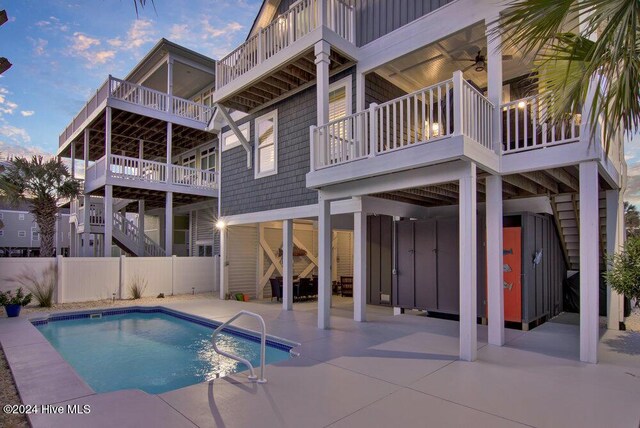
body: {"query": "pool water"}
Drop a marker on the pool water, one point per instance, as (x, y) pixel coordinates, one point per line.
(154, 352)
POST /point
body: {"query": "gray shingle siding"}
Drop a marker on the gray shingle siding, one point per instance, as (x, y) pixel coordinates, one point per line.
(379, 90)
(241, 193)
(375, 18)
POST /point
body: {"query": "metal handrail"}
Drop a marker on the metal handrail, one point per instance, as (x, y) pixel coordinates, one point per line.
(263, 344)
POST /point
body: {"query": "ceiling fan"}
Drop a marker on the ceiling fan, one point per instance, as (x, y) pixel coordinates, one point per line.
(480, 61)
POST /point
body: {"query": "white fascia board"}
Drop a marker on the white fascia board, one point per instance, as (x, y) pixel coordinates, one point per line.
(346, 206)
(98, 111)
(372, 205)
(548, 157)
(418, 177)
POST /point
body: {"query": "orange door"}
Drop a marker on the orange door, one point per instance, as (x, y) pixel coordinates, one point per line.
(512, 270)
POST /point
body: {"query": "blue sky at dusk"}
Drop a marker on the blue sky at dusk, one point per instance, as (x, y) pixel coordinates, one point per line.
(63, 50)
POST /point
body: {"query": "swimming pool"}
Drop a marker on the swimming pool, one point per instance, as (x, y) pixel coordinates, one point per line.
(152, 349)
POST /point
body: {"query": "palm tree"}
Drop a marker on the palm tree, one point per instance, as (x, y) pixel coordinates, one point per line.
(631, 219)
(579, 46)
(42, 184)
(142, 4)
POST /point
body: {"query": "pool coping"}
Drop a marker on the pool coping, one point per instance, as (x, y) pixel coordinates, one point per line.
(34, 361)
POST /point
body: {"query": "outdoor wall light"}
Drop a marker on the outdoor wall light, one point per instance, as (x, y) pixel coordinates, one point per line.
(220, 224)
(521, 105)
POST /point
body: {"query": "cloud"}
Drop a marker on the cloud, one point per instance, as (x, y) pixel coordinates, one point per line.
(230, 28)
(12, 149)
(82, 42)
(87, 47)
(140, 33)
(212, 39)
(27, 113)
(6, 106)
(39, 46)
(14, 133)
(52, 24)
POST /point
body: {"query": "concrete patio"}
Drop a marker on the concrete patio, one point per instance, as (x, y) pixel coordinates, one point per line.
(392, 370)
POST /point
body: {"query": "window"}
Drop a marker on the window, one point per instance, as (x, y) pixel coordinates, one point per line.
(266, 143)
(340, 100)
(208, 159)
(229, 139)
(22, 233)
(35, 235)
(1, 232)
(205, 250)
(189, 160)
(1, 216)
(20, 216)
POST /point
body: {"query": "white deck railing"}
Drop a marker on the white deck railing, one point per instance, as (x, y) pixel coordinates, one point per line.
(143, 170)
(193, 177)
(132, 233)
(420, 117)
(283, 32)
(524, 127)
(140, 96)
(138, 169)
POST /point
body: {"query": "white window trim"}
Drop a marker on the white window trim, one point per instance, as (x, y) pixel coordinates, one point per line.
(22, 234)
(347, 83)
(244, 127)
(1, 216)
(20, 216)
(207, 151)
(35, 229)
(1, 232)
(272, 114)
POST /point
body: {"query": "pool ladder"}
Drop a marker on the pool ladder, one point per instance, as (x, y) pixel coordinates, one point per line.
(263, 344)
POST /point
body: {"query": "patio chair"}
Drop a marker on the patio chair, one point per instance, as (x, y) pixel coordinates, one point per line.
(276, 289)
(314, 285)
(346, 286)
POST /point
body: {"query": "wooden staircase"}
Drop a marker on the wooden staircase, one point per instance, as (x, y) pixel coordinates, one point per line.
(566, 211)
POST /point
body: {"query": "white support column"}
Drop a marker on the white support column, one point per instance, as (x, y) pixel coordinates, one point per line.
(57, 231)
(589, 262)
(108, 219)
(107, 136)
(169, 176)
(360, 266)
(494, 74)
(168, 225)
(170, 83)
(457, 102)
(223, 263)
(141, 225)
(614, 245)
(360, 91)
(287, 265)
(495, 289)
(73, 159)
(468, 266)
(324, 262)
(85, 249)
(322, 51)
(72, 240)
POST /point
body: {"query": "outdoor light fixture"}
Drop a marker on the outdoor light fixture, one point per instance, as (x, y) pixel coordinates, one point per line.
(3, 17)
(480, 65)
(4, 65)
(433, 130)
(220, 224)
(521, 105)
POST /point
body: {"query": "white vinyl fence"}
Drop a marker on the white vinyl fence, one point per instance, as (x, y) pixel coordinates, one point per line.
(82, 279)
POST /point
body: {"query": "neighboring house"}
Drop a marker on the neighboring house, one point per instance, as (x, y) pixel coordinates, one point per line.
(147, 152)
(20, 235)
(363, 115)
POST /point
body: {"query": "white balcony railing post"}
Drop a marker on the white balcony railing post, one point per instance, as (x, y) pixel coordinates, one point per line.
(261, 44)
(313, 130)
(458, 101)
(373, 129)
(322, 12)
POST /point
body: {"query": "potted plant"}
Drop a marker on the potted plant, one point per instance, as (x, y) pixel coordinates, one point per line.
(13, 303)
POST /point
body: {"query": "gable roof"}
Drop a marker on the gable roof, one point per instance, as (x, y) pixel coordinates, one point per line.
(264, 16)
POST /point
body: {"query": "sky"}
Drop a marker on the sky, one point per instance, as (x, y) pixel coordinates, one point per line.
(63, 50)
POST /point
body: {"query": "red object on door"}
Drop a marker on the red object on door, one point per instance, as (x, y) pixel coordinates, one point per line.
(512, 273)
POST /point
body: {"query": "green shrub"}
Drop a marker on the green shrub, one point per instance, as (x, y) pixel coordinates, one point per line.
(7, 298)
(624, 270)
